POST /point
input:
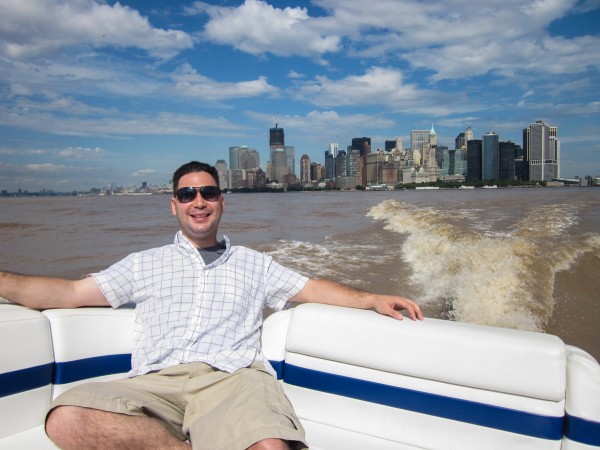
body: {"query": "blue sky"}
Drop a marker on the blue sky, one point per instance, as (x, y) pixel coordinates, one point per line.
(95, 92)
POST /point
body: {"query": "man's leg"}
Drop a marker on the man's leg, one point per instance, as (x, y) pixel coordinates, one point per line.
(73, 427)
(245, 409)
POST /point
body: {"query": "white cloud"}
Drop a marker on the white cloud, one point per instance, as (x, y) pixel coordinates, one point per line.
(143, 172)
(39, 28)
(189, 83)
(455, 39)
(44, 167)
(81, 153)
(380, 86)
(257, 28)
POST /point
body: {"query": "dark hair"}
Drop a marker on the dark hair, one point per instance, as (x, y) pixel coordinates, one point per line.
(193, 167)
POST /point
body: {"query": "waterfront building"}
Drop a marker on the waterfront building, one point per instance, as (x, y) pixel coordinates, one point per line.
(490, 164)
(237, 178)
(279, 164)
(330, 164)
(234, 158)
(506, 153)
(363, 146)
(354, 162)
(290, 154)
(305, 169)
(243, 157)
(374, 166)
(316, 172)
(460, 164)
(474, 159)
(255, 179)
(389, 174)
(283, 157)
(555, 149)
(341, 164)
(447, 163)
(441, 153)
(223, 171)
(541, 152)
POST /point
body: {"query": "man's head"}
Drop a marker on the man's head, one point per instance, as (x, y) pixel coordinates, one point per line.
(191, 167)
(199, 204)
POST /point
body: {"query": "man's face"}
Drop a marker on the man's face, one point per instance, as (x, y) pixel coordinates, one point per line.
(198, 219)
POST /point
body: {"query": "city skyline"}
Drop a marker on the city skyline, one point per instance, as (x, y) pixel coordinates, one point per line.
(96, 92)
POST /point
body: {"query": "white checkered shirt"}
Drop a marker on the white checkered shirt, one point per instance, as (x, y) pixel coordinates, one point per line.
(187, 311)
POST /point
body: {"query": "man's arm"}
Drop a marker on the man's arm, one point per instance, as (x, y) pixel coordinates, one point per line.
(333, 293)
(46, 292)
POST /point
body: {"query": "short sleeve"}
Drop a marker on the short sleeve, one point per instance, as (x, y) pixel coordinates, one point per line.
(282, 284)
(117, 282)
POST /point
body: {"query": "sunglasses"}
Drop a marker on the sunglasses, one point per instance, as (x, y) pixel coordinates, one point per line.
(189, 193)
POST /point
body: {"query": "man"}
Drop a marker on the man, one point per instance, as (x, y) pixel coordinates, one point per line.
(198, 377)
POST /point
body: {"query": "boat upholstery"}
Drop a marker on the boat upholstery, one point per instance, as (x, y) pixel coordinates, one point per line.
(356, 379)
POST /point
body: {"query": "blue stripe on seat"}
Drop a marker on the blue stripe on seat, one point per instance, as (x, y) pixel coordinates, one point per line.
(25, 379)
(81, 369)
(528, 424)
(278, 367)
(582, 430)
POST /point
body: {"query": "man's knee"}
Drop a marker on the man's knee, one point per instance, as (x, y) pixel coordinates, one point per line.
(270, 444)
(60, 419)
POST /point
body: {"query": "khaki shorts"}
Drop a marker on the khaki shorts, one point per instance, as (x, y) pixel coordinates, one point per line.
(211, 408)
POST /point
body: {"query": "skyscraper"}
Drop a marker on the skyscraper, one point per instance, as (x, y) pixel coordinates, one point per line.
(333, 149)
(305, 169)
(290, 154)
(362, 144)
(459, 142)
(223, 173)
(418, 138)
(330, 156)
(490, 157)
(279, 166)
(541, 151)
(276, 137)
(243, 157)
(468, 134)
(282, 156)
(474, 149)
(506, 152)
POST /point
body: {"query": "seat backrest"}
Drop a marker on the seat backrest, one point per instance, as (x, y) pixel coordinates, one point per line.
(478, 387)
(26, 363)
(90, 344)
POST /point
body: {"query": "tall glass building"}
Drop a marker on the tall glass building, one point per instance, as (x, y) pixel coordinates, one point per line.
(490, 164)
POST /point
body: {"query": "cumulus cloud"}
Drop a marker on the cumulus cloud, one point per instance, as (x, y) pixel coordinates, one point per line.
(454, 39)
(189, 83)
(380, 86)
(39, 28)
(257, 28)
